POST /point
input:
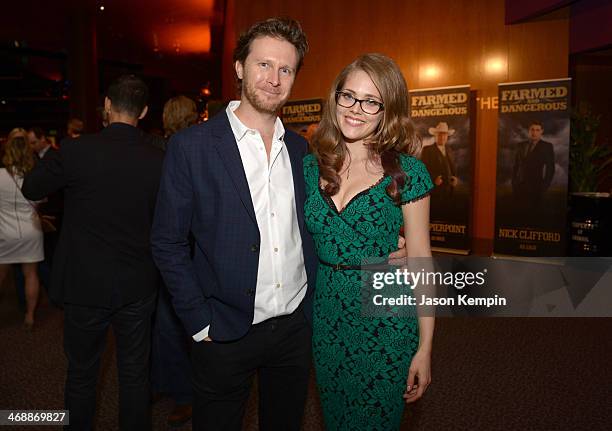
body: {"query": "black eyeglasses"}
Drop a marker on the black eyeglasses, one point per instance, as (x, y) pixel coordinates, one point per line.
(369, 106)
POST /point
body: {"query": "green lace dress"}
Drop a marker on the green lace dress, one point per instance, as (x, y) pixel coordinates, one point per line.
(361, 362)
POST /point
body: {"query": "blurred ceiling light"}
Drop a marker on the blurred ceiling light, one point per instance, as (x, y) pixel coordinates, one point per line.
(205, 91)
(430, 72)
(102, 7)
(495, 65)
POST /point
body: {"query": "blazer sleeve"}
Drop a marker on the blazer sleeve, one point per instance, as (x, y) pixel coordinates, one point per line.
(47, 177)
(169, 237)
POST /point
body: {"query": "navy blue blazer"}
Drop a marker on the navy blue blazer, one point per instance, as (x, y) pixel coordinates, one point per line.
(204, 191)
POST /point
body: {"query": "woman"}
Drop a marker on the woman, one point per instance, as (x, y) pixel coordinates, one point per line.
(362, 184)
(21, 238)
(179, 112)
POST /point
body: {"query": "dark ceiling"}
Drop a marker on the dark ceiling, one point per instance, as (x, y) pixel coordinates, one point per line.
(175, 44)
(177, 26)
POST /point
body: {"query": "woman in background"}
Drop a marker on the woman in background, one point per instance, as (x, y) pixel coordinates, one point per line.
(21, 237)
(179, 112)
(170, 366)
(362, 184)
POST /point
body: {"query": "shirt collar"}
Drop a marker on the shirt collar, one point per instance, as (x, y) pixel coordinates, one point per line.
(240, 129)
(42, 152)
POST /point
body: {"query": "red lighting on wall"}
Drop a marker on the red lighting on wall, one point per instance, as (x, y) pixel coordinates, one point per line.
(183, 38)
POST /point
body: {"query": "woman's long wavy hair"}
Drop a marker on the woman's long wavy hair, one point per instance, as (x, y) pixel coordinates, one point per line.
(18, 156)
(394, 135)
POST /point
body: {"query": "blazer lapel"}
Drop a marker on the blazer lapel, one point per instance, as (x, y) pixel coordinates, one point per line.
(228, 152)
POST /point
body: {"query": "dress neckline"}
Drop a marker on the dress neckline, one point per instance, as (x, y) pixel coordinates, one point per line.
(332, 204)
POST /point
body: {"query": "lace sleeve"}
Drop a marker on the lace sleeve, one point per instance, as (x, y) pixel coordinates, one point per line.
(418, 182)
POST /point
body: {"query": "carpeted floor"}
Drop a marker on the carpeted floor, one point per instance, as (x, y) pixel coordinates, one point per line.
(488, 374)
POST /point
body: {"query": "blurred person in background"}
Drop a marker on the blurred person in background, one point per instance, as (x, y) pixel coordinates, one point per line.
(40, 143)
(50, 207)
(104, 273)
(74, 128)
(21, 237)
(179, 112)
(170, 365)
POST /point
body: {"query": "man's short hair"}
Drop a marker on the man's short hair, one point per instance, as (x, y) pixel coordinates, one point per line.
(281, 28)
(536, 123)
(38, 132)
(129, 95)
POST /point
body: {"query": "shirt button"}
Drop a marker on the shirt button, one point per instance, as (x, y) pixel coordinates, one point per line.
(276, 249)
(254, 248)
(278, 285)
(272, 214)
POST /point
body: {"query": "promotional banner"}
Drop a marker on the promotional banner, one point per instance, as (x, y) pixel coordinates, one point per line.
(532, 168)
(302, 116)
(442, 120)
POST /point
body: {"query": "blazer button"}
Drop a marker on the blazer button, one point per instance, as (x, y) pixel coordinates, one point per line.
(255, 248)
(250, 292)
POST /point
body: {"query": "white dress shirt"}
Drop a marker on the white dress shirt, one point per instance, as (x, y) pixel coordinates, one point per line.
(281, 274)
(42, 152)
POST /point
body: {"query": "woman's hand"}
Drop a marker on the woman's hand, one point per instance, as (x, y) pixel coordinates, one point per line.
(400, 254)
(419, 376)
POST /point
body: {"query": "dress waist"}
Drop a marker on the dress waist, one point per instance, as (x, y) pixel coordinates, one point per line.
(344, 267)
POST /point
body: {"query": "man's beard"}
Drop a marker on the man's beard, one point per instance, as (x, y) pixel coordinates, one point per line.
(260, 104)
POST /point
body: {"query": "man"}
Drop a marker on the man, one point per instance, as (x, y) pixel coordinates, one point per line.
(104, 273)
(39, 143)
(534, 168)
(439, 161)
(74, 128)
(236, 182)
(51, 207)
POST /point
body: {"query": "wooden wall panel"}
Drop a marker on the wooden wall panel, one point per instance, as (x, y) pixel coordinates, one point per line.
(466, 41)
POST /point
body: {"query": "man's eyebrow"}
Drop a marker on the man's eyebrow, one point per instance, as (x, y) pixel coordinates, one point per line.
(269, 60)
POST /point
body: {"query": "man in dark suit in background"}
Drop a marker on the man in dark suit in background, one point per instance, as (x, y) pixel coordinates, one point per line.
(439, 161)
(37, 138)
(533, 170)
(104, 273)
(237, 183)
(51, 207)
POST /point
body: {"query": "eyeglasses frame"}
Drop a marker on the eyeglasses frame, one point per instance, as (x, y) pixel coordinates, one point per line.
(381, 106)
